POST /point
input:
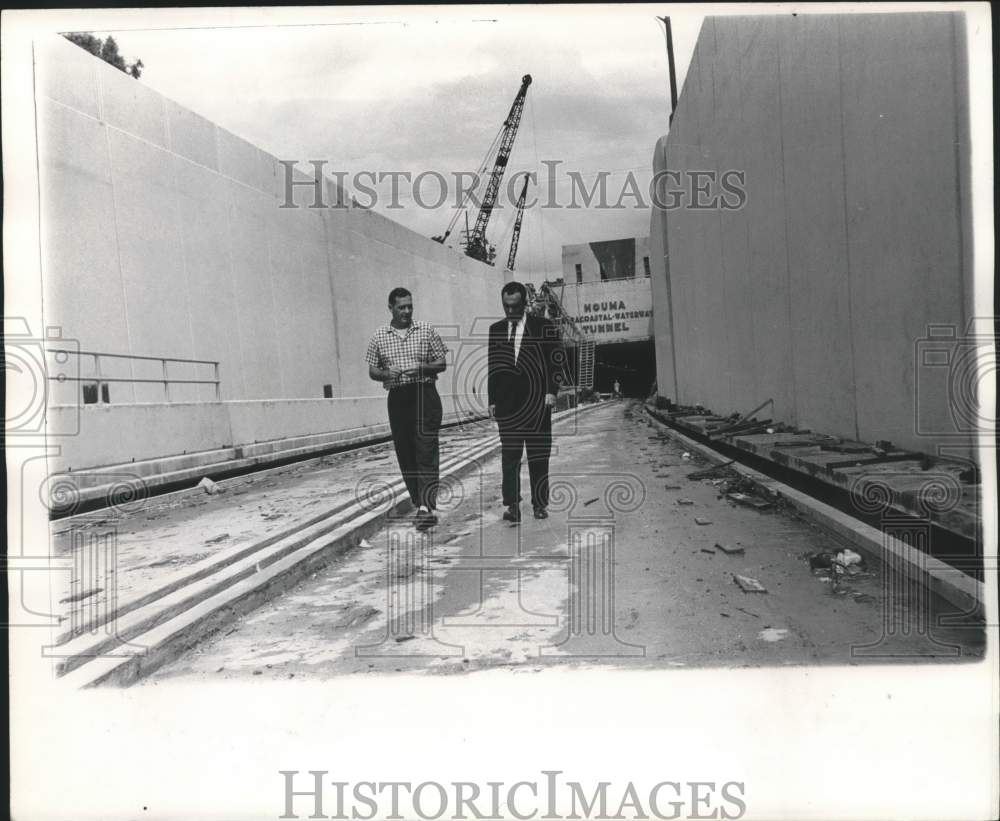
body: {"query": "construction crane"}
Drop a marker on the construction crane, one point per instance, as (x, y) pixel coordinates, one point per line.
(517, 225)
(476, 245)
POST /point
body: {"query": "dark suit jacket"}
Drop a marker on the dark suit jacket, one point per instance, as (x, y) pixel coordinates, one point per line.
(518, 388)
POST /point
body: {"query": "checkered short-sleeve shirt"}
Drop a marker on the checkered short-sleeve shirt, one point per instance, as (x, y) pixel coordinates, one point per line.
(393, 348)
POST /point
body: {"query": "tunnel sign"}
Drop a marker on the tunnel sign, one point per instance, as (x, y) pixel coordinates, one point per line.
(619, 311)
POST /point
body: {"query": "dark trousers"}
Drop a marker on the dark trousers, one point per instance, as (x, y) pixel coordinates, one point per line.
(415, 421)
(535, 437)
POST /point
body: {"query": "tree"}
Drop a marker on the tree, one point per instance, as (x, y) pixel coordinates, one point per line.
(107, 50)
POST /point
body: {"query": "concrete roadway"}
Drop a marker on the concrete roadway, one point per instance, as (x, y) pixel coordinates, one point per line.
(481, 593)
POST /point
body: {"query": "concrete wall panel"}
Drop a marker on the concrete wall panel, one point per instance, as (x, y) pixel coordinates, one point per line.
(67, 74)
(813, 171)
(920, 242)
(851, 132)
(130, 106)
(81, 278)
(152, 261)
(191, 135)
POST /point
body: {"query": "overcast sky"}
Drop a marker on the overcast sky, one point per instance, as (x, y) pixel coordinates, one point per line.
(405, 90)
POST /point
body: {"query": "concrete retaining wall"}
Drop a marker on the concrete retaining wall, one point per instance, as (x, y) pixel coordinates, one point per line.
(162, 235)
(852, 131)
(120, 434)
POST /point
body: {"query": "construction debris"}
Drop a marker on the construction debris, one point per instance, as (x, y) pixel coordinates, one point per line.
(821, 561)
(846, 558)
(210, 487)
(749, 501)
(730, 550)
(749, 585)
(699, 521)
(710, 472)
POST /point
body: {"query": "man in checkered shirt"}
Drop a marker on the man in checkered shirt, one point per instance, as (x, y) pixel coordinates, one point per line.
(406, 357)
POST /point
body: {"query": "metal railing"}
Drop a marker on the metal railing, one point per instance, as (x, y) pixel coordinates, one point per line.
(166, 380)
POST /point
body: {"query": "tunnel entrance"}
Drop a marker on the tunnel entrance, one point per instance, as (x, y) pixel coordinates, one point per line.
(633, 364)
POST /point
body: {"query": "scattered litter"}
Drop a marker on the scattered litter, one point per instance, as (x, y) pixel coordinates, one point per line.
(685, 502)
(686, 456)
(210, 487)
(864, 598)
(271, 516)
(748, 612)
(401, 639)
(86, 594)
(821, 561)
(216, 539)
(730, 550)
(364, 543)
(709, 472)
(699, 521)
(772, 634)
(847, 558)
(748, 585)
(770, 430)
(825, 579)
(672, 487)
(708, 550)
(748, 501)
(724, 615)
(358, 616)
(590, 501)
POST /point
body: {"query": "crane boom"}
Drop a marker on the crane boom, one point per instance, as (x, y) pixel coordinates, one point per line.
(517, 225)
(476, 245)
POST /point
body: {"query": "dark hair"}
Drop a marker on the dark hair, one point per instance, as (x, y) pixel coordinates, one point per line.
(397, 293)
(515, 288)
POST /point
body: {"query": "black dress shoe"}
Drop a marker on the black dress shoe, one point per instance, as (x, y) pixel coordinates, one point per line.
(426, 519)
(512, 514)
(541, 513)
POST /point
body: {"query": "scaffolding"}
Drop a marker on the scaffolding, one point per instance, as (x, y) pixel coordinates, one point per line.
(544, 301)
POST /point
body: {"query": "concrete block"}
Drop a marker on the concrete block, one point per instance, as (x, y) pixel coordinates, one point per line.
(117, 434)
(260, 421)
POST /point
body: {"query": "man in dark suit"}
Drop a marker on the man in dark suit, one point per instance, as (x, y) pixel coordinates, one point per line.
(522, 384)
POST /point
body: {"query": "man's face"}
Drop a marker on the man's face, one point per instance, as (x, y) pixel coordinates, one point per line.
(402, 311)
(513, 305)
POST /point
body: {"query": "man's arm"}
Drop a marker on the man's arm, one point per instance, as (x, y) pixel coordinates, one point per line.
(383, 374)
(428, 368)
(374, 359)
(553, 356)
(438, 352)
(491, 371)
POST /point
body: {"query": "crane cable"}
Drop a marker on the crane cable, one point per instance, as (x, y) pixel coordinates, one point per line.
(487, 157)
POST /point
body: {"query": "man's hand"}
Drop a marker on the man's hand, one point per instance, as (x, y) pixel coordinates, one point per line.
(550, 400)
(493, 411)
(393, 373)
